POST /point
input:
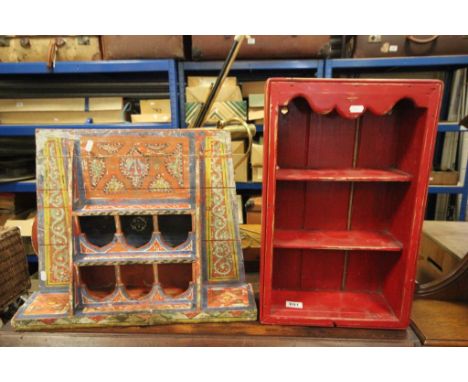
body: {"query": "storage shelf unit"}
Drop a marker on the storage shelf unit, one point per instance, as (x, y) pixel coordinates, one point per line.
(119, 66)
(89, 67)
(462, 187)
(344, 199)
(396, 62)
(321, 68)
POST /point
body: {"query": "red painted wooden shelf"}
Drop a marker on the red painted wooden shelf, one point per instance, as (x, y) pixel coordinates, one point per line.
(343, 175)
(322, 307)
(344, 190)
(341, 240)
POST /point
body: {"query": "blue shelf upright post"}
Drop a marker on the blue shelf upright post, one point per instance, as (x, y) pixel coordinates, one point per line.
(172, 77)
(182, 93)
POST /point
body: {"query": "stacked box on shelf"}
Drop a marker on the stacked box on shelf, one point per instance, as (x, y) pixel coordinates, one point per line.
(256, 162)
(240, 161)
(262, 47)
(228, 104)
(366, 46)
(61, 110)
(125, 47)
(38, 48)
(153, 110)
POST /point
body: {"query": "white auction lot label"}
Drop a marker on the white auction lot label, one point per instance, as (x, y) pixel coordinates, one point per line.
(294, 304)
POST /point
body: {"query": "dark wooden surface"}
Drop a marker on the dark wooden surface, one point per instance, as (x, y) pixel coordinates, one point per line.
(232, 334)
(440, 323)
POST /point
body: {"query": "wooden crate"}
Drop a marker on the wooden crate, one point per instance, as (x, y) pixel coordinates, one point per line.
(14, 274)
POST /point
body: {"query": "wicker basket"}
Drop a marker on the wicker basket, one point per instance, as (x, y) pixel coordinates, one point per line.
(14, 273)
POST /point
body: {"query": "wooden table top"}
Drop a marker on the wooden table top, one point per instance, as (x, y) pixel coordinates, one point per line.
(211, 334)
(451, 235)
(440, 323)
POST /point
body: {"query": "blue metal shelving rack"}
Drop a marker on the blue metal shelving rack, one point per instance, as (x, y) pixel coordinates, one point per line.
(176, 77)
(118, 66)
(87, 67)
(346, 64)
(311, 67)
(394, 62)
(461, 189)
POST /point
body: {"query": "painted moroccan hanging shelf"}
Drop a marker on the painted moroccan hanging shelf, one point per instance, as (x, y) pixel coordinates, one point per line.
(136, 228)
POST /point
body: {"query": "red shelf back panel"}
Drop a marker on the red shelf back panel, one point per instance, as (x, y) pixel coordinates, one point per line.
(347, 165)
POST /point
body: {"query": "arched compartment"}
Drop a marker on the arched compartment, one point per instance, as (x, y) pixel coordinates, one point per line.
(175, 229)
(98, 230)
(137, 279)
(99, 280)
(175, 279)
(137, 229)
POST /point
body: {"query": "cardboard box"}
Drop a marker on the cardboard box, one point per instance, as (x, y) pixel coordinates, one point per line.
(61, 104)
(251, 239)
(256, 116)
(25, 226)
(256, 155)
(444, 178)
(256, 160)
(155, 106)
(256, 107)
(253, 87)
(254, 210)
(200, 93)
(239, 161)
(240, 214)
(153, 110)
(442, 248)
(220, 111)
(151, 118)
(257, 174)
(254, 217)
(209, 81)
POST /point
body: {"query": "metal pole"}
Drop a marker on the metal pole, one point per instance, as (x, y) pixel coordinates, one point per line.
(200, 120)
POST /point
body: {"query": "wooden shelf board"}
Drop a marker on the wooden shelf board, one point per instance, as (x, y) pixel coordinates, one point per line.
(343, 175)
(134, 258)
(129, 209)
(321, 306)
(341, 240)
